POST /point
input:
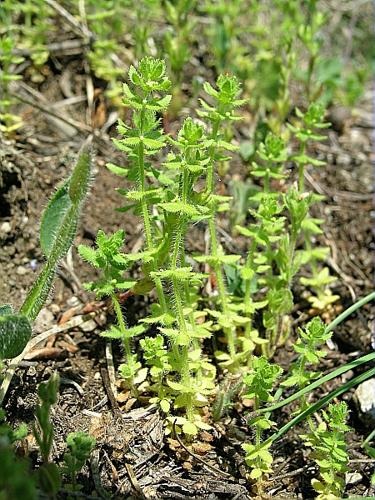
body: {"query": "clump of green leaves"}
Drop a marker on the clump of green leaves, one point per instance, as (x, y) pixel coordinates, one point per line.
(112, 263)
(327, 442)
(260, 383)
(307, 131)
(9, 122)
(307, 347)
(80, 446)
(15, 478)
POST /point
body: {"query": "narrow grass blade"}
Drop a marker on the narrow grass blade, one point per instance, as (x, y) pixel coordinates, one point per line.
(341, 317)
(349, 366)
(319, 404)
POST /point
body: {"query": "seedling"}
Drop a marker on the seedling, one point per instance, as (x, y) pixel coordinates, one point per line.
(307, 132)
(112, 263)
(57, 232)
(15, 478)
(260, 383)
(307, 346)
(80, 445)
(48, 474)
(329, 452)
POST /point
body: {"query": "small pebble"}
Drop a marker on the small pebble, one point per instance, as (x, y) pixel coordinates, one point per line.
(73, 301)
(353, 478)
(44, 321)
(365, 396)
(5, 228)
(21, 270)
(54, 308)
(343, 160)
(88, 326)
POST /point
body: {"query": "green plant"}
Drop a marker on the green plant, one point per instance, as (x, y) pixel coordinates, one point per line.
(309, 35)
(306, 132)
(307, 347)
(36, 25)
(58, 229)
(163, 261)
(273, 258)
(49, 475)
(260, 383)
(313, 335)
(9, 122)
(57, 232)
(177, 40)
(329, 452)
(140, 142)
(146, 13)
(80, 446)
(225, 102)
(15, 478)
(104, 17)
(223, 32)
(112, 263)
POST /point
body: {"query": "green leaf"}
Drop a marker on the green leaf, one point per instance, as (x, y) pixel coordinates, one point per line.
(180, 207)
(6, 309)
(152, 143)
(256, 473)
(89, 255)
(53, 217)
(57, 233)
(165, 405)
(81, 177)
(121, 171)
(190, 429)
(113, 333)
(15, 332)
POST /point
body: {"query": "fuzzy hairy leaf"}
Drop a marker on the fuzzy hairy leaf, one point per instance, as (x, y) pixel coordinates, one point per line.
(57, 233)
(53, 217)
(15, 332)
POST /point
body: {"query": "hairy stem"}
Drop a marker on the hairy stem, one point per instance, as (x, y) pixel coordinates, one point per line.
(229, 332)
(121, 324)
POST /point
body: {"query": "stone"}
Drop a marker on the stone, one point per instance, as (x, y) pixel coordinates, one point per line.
(88, 326)
(5, 228)
(44, 321)
(365, 398)
(353, 478)
(21, 270)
